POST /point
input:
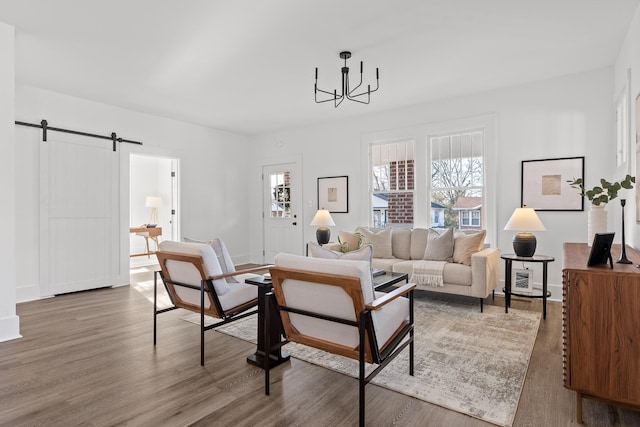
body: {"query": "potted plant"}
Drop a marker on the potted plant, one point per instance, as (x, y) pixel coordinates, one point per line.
(599, 196)
(605, 192)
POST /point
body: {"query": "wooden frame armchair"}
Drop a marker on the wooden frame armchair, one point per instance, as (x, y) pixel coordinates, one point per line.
(195, 281)
(339, 312)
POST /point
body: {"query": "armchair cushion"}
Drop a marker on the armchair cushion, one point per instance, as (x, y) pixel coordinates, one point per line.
(186, 273)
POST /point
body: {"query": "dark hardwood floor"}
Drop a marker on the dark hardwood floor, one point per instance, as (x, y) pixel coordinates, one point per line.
(87, 359)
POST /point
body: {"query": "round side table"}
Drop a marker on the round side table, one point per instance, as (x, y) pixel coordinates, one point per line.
(508, 261)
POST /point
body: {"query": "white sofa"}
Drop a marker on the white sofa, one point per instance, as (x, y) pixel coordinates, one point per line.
(470, 271)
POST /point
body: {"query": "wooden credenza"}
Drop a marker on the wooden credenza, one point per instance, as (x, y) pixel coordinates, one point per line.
(601, 328)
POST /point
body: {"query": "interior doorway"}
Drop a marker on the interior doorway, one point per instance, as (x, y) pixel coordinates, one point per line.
(153, 185)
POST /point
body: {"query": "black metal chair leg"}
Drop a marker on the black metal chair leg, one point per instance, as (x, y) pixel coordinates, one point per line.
(267, 341)
(361, 378)
(481, 305)
(155, 304)
(202, 323)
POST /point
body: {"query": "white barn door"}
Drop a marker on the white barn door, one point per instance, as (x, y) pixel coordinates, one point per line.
(79, 205)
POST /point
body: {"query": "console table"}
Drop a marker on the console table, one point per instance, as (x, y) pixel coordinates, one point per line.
(601, 337)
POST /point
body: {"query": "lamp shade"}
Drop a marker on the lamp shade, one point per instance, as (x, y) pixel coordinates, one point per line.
(524, 219)
(322, 218)
(153, 202)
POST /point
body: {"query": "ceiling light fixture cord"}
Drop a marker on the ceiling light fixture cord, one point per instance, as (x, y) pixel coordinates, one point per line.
(346, 92)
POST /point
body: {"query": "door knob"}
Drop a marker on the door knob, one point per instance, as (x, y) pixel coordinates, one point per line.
(295, 223)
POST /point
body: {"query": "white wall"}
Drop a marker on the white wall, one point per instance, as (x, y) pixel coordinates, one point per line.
(629, 58)
(212, 185)
(562, 117)
(9, 322)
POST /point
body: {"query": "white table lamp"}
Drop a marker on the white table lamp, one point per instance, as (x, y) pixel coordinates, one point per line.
(524, 220)
(153, 202)
(323, 220)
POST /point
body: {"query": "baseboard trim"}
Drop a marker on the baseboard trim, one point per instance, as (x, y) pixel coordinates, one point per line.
(28, 293)
(9, 328)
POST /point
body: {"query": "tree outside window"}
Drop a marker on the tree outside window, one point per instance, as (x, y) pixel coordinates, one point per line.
(457, 175)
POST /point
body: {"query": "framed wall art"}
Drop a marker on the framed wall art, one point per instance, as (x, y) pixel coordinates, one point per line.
(522, 281)
(333, 194)
(545, 184)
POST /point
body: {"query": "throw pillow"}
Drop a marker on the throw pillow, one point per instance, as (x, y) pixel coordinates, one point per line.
(349, 241)
(439, 246)
(380, 240)
(220, 249)
(365, 253)
(467, 244)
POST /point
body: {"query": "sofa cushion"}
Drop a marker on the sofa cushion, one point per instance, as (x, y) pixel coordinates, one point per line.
(224, 259)
(454, 274)
(418, 242)
(381, 241)
(365, 253)
(401, 243)
(350, 241)
(439, 245)
(467, 244)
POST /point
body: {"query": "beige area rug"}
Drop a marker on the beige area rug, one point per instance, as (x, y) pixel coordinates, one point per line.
(470, 362)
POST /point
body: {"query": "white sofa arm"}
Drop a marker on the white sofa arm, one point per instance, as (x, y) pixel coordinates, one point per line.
(485, 272)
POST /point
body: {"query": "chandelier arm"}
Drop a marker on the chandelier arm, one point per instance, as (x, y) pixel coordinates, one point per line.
(360, 101)
(359, 84)
(366, 92)
(324, 91)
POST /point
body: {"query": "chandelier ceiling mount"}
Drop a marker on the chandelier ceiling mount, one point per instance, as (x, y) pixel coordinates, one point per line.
(363, 97)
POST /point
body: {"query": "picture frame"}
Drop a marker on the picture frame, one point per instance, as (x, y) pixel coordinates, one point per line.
(333, 194)
(545, 184)
(522, 281)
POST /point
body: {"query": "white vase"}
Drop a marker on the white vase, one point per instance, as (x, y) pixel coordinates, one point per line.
(597, 222)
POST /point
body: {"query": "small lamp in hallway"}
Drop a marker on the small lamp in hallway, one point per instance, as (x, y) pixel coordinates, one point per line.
(323, 220)
(524, 220)
(153, 202)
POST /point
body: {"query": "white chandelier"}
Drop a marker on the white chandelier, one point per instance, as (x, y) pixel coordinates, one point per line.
(346, 91)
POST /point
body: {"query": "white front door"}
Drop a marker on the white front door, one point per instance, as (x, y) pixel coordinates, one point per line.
(282, 206)
(79, 210)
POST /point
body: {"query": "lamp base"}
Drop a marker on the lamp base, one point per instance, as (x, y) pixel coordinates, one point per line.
(323, 234)
(524, 244)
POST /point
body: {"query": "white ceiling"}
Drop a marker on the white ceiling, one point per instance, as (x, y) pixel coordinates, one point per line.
(247, 66)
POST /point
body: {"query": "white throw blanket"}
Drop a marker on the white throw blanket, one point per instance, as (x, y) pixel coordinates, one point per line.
(428, 273)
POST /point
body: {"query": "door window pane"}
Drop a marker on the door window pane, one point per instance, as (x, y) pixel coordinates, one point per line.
(280, 194)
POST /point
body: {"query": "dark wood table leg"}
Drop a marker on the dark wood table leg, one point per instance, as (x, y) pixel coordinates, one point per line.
(276, 355)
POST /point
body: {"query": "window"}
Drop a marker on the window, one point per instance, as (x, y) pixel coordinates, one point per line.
(392, 188)
(475, 218)
(280, 194)
(464, 218)
(457, 177)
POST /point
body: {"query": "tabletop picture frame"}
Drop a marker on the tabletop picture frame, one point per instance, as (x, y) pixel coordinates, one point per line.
(333, 194)
(545, 184)
(522, 281)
